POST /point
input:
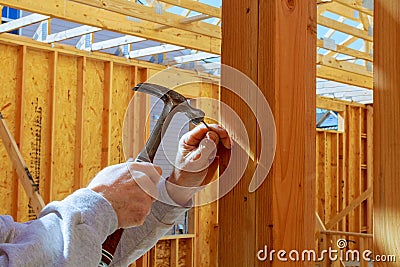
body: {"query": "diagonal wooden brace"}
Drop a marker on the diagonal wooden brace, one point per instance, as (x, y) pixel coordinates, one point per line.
(31, 188)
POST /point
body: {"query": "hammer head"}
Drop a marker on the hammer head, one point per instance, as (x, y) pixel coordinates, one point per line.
(175, 101)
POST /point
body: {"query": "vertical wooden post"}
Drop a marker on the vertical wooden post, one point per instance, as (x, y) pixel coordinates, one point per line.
(273, 42)
(19, 122)
(386, 128)
(80, 102)
(108, 81)
(53, 57)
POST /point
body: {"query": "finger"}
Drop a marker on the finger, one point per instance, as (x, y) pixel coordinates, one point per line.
(194, 137)
(200, 158)
(223, 135)
(213, 136)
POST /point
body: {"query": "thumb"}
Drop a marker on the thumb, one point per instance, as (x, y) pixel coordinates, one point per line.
(200, 158)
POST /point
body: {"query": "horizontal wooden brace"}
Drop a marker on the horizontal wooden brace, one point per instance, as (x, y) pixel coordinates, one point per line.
(340, 233)
(113, 21)
(15, 40)
(343, 65)
(345, 77)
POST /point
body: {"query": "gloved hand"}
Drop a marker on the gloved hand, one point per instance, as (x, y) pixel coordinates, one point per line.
(119, 185)
(196, 161)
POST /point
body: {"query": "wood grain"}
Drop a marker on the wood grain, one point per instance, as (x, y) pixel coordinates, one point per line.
(275, 44)
(386, 129)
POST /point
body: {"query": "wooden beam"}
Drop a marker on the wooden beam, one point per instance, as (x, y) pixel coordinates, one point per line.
(80, 103)
(71, 33)
(343, 65)
(188, 58)
(115, 42)
(31, 189)
(106, 129)
(113, 21)
(330, 104)
(19, 118)
(386, 129)
(355, 5)
(328, 232)
(345, 77)
(277, 40)
(208, 66)
(154, 50)
(22, 22)
(196, 6)
(333, 24)
(148, 14)
(355, 203)
(342, 10)
(49, 153)
(348, 41)
(341, 49)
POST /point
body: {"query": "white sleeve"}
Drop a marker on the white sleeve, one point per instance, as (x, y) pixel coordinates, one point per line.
(67, 233)
(136, 241)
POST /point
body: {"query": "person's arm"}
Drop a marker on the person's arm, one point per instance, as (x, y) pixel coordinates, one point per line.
(136, 241)
(71, 232)
(194, 166)
(67, 233)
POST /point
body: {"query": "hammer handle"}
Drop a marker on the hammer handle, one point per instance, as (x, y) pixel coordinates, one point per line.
(109, 246)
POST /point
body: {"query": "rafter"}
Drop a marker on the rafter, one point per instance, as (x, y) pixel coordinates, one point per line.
(22, 22)
(196, 6)
(188, 58)
(365, 93)
(342, 10)
(333, 24)
(354, 5)
(149, 14)
(187, 20)
(346, 89)
(344, 44)
(208, 66)
(71, 33)
(347, 51)
(112, 21)
(154, 50)
(116, 42)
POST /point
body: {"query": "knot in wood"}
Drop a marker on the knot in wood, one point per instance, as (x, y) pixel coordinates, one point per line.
(291, 4)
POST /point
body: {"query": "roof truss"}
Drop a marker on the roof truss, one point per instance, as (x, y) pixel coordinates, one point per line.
(339, 61)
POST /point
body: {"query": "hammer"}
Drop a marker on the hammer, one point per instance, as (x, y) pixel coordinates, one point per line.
(173, 103)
